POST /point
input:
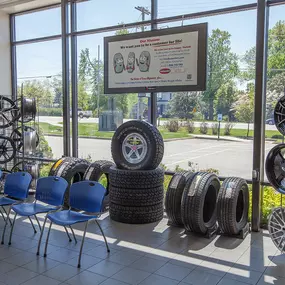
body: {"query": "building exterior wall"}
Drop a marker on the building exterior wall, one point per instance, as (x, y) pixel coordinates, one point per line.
(5, 58)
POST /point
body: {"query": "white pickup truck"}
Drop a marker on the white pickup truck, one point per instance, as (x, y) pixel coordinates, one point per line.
(83, 114)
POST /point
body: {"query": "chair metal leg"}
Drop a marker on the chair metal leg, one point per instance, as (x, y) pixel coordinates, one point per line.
(38, 222)
(67, 233)
(12, 228)
(45, 254)
(3, 215)
(35, 231)
(6, 214)
(103, 236)
(74, 237)
(81, 247)
(4, 230)
(41, 236)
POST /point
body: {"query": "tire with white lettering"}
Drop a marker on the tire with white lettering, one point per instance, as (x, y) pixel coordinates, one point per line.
(136, 215)
(233, 205)
(198, 206)
(137, 145)
(174, 196)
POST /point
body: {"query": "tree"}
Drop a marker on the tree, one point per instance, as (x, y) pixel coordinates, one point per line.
(183, 104)
(83, 97)
(244, 108)
(222, 66)
(226, 96)
(57, 89)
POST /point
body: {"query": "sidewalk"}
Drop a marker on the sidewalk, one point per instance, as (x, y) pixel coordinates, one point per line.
(222, 138)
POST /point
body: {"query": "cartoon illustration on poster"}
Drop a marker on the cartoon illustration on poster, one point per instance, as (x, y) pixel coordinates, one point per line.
(157, 60)
(119, 65)
(131, 62)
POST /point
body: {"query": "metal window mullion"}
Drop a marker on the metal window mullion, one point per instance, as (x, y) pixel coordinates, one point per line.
(65, 78)
(259, 111)
(74, 81)
(13, 58)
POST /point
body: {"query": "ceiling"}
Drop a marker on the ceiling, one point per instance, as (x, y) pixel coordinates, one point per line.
(15, 6)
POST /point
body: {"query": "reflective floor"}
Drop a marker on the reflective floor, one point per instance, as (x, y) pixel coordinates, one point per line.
(140, 254)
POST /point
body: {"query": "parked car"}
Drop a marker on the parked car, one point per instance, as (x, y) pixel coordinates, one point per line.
(270, 121)
(83, 114)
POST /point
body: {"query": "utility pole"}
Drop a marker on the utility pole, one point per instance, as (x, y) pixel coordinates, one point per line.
(144, 11)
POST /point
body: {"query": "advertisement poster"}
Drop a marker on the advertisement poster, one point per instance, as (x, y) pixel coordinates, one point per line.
(157, 61)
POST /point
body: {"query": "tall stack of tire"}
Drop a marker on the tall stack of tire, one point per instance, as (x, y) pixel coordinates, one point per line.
(136, 182)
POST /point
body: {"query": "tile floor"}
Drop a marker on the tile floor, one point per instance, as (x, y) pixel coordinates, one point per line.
(153, 254)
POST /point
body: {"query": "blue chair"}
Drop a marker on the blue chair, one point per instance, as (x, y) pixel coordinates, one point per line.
(86, 196)
(16, 190)
(50, 190)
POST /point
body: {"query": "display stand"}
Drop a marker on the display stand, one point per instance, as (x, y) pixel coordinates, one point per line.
(241, 235)
(209, 233)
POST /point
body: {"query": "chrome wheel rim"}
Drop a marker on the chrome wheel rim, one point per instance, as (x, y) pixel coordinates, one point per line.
(134, 148)
(276, 227)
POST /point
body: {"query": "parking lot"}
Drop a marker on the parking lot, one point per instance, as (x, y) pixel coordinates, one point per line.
(230, 158)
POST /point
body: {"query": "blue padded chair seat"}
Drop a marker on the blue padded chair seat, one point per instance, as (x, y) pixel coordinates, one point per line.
(30, 209)
(4, 201)
(67, 217)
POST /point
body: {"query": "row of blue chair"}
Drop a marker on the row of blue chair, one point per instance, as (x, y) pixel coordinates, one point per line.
(84, 198)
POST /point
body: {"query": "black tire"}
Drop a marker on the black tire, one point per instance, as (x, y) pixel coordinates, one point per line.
(81, 116)
(136, 197)
(198, 206)
(174, 196)
(136, 179)
(151, 151)
(72, 170)
(136, 215)
(56, 165)
(233, 205)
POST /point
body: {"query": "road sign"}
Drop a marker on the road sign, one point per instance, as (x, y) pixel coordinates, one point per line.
(220, 117)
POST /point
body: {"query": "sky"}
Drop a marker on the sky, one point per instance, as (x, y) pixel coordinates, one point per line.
(44, 59)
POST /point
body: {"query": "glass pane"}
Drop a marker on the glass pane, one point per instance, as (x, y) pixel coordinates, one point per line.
(92, 14)
(39, 76)
(195, 116)
(168, 8)
(38, 24)
(99, 116)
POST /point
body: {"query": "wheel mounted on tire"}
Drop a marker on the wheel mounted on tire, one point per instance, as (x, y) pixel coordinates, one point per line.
(198, 206)
(136, 179)
(233, 205)
(174, 196)
(136, 215)
(137, 145)
(72, 170)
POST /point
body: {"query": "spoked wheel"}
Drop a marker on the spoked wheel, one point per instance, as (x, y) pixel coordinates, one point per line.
(276, 227)
(7, 149)
(279, 115)
(134, 148)
(275, 167)
(17, 137)
(9, 112)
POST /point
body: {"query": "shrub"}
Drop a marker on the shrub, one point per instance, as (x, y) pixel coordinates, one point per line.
(215, 127)
(50, 112)
(279, 137)
(228, 128)
(172, 126)
(204, 128)
(190, 127)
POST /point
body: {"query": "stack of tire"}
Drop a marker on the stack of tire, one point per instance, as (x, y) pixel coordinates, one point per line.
(197, 201)
(71, 169)
(136, 182)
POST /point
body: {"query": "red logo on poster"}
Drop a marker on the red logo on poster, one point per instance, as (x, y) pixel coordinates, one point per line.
(164, 70)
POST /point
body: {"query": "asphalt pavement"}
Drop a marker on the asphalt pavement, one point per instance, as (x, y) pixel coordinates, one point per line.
(230, 158)
(57, 120)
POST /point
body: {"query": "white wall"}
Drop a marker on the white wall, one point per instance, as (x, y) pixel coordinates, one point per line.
(5, 59)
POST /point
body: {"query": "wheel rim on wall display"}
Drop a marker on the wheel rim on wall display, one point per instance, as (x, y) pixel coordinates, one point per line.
(17, 137)
(279, 115)
(7, 149)
(29, 109)
(134, 148)
(276, 227)
(9, 112)
(275, 167)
